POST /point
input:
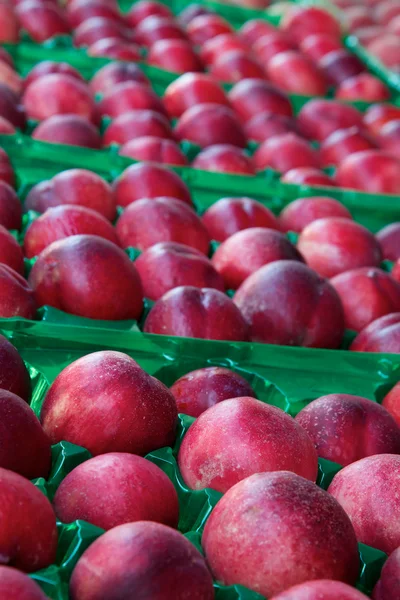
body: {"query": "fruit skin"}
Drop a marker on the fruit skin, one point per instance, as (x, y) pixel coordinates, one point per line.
(319, 118)
(235, 65)
(137, 123)
(6, 127)
(74, 186)
(382, 335)
(229, 215)
(48, 67)
(303, 21)
(127, 96)
(323, 589)
(64, 95)
(11, 108)
(224, 158)
(210, 124)
(224, 42)
(68, 129)
(374, 294)
(346, 428)
(25, 448)
(152, 220)
(303, 211)
(377, 115)
(205, 27)
(254, 29)
(258, 537)
(88, 276)
(97, 28)
(285, 152)
(146, 8)
(42, 20)
(367, 490)
(150, 557)
(109, 387)
(15, 585)
(154, 149)
(14, 375)
(16, 296)
(340, 66)
(342, 143)
(63, 221)
(130, 487)
(316, 45)
(372, 171)
(167, 265)
(10, 251)
(270, 45)
(154, 28)
(389, 239)
(28, 537)
(147, 180)
(199, 313)
(115, 48)
(392, 403)
(78, 12)
(190, 90)
(249, 97)
(334, 245)
(114, 73)
(247, 251)
(315, 320)
(364, 87)
(266, 125)
(10, 207)
(212, 455)
(294, 73)
(9, 31)
(176, 56)
(388, 587)
(198, 390)
(389, 138)
(309, 176)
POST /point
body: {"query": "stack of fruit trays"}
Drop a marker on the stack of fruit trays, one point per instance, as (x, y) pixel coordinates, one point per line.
(199, 304)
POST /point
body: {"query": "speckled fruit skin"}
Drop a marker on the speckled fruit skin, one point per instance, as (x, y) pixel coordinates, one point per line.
(25, 448)
(130, 95)
(72, 130)
(388, 586)
(250, 97)
(382, 335)
(198, 390)
(154, 559)
(284, 153)
(154, 149)
(224, 158)
(210, 124)
(88, 276)
(229, 215)
(334, 245)
(106, 403)
(28, 535)
(146, 180)
(389, 239)
(168, 265)
(14, 375)
(15, 585)
(313, 318)
(213, 454)
(368, 492)
(116, 72)
(199, 313)
(192, 89)
(63, 221)
(10, 251)
(324, 589)
(300, 213)
(68, 96)
(374, 293)
(74, 186)
(319, 118)
(247, 251)
(153, 220)
(372, 171)
(16, 295)
(392, 402)
(275, 530)
(346, 428)
(117, 488)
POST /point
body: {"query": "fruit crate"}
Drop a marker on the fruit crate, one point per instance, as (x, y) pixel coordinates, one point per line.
(195, 506)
